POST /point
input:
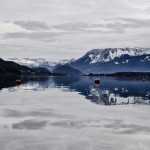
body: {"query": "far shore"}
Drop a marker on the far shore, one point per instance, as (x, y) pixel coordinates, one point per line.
(122, 74)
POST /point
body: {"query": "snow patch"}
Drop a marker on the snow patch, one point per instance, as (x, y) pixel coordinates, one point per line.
(108, 54)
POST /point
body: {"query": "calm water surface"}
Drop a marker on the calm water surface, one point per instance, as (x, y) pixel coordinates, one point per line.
(73, 113)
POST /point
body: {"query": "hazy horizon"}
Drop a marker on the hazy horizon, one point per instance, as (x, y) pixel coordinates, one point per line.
(47, 59)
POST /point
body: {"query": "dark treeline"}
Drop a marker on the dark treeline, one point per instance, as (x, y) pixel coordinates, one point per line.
(122, 74)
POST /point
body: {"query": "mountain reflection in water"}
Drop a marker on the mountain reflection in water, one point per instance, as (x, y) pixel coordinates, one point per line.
(111, 91)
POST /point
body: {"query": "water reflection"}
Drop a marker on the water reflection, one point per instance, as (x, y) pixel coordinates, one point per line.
(111, 91)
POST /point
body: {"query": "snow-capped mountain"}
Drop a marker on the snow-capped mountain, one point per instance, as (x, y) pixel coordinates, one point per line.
(39, 62)
(111, 60)
(108, 60)
(108, 54)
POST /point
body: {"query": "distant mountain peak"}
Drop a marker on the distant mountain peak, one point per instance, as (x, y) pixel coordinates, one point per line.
(108, 54)
(97, 60)
(35, 62)
(39, 62)
(107, 60)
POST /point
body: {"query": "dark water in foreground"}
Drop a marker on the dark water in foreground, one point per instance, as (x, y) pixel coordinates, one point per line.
(110, 91)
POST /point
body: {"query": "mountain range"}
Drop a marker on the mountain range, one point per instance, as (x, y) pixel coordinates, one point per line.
(12, 68)
(39, 62)
(107, 60)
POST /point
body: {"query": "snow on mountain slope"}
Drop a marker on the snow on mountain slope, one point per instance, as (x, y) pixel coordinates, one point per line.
(93, 58)
(108, 54)
(39, 62)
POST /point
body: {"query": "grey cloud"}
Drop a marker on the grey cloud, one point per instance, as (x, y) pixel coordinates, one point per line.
(117, 25)
(138, 23)
(70, 26)
(121, 25)
(80, 26)
(32, 35)
(15, 45)
(73, 26)
(32, 25)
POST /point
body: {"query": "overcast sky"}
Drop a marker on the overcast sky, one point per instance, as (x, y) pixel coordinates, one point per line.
(58, 29)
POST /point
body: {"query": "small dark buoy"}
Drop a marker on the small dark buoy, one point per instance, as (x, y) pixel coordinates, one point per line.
(97, 81)
(18, 82)
(143, 80)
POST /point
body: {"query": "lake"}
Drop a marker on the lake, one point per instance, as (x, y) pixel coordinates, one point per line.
(72, 113)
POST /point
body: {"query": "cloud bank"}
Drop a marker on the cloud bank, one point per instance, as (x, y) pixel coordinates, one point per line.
(38, 28)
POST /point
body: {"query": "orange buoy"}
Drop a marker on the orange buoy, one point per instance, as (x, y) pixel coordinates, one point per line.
(97, 81)
(143, 80)
(18, 82)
